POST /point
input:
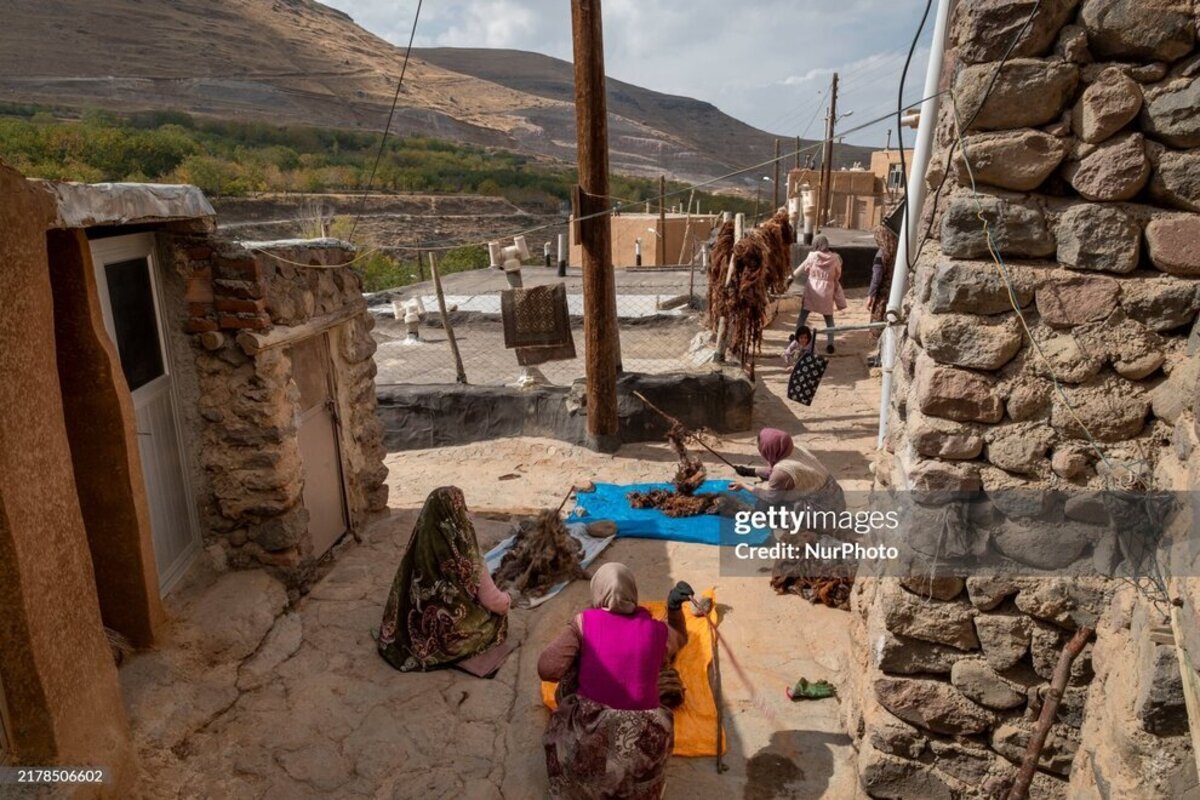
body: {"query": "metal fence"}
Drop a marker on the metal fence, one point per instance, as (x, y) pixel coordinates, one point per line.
(660, 319)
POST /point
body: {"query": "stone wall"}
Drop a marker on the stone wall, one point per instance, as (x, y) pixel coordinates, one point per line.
(245, 309)
(1081, 156)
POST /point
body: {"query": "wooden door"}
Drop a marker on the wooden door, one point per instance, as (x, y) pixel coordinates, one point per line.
(127, 274)
(324, 492)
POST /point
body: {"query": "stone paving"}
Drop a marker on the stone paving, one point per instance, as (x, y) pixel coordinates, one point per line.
(249, 696)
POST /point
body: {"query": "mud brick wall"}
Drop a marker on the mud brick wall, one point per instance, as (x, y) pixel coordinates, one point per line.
(252, 475)
(1086, 158)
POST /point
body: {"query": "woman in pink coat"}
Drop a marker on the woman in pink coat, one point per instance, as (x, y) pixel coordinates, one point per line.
(823, 293)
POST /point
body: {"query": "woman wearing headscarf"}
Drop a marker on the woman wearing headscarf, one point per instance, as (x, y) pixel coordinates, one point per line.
(793, 475)
(823, 293)
(610, 736)
(443, 606)
(881, 278)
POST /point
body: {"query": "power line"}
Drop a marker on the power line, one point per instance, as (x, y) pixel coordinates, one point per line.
(362, 204)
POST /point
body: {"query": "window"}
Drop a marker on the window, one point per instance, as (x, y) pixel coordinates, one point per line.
(895, 178)
(135, 323)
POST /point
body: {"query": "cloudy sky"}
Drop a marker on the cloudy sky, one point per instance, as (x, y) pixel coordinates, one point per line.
(767, 62)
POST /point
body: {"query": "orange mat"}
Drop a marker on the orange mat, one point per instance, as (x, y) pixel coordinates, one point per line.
(696, 719)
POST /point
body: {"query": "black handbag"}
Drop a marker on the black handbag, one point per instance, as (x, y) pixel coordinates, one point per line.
(806, 376)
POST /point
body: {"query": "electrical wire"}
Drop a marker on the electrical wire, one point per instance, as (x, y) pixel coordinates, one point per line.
(362, 204)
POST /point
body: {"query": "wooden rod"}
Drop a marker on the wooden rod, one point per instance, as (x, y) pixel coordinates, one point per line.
(460, 373)
(691, 434)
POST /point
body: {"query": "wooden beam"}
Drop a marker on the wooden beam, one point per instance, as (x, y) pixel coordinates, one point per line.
(281, 336)
(595, 235)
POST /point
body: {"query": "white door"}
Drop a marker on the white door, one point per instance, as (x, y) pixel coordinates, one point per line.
(127, 274)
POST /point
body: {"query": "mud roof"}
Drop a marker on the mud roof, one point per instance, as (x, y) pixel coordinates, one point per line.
(90, 205)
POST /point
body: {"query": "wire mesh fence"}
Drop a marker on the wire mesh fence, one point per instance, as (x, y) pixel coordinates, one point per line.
(661, 322)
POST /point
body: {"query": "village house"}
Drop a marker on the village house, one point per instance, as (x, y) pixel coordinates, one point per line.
(167, 394)
(861, 197)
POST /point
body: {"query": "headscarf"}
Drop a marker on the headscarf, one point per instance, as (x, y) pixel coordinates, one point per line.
(614, 589)
(820, 243)
(774, 445)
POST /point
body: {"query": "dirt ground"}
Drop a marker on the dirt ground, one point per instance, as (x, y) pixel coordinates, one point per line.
(252, 698)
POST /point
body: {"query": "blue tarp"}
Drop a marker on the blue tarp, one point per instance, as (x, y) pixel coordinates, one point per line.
(610, 501)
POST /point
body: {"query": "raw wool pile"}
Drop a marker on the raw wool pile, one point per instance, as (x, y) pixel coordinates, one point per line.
(543, 555)
(683, 502)
(831, 592)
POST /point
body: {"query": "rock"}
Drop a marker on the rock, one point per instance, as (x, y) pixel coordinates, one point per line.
(1172, 397)
(1115, 170)
(890, 735)
(1160, 704)
(985, 28)
(1046, 643)
(980, 683)
(989, 591)
(1169, 113)
(1087, 507)
(1146, 30)
(227, 620)
(1099, 238)
(939, 438)
(1004, 638)
(1068, 300)
(1016, 225)
(955, 394)
(891, 778)
(1159, 302)
(1039, 545)
(281, 644)
(1072, 45)
(1029, 399)
(977, 287)
(1027, 93)
(1175, 181)
(320, 765)
(1066, 358)
(1107, 106)
(1070, 464)
(967, 340)
(1018, 448)
(965, 760)
(1112, 410)
(941, 587)
(1019, 160)
(933, 705)
(933, 477)
(903, 655)
(947, 623)
(1066, 602)
(1172, 242)
(1140, 365)
(1010, 741)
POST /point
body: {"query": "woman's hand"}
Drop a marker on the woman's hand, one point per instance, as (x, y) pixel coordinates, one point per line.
(738, 486)
(678, 595)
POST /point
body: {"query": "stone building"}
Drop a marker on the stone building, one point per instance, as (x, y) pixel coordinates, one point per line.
(1083, 154)
(166, 392)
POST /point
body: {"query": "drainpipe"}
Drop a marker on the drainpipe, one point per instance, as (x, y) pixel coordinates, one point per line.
(915, 201)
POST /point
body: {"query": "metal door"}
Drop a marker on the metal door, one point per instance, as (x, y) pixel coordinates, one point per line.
(324, 494)
(127, 275)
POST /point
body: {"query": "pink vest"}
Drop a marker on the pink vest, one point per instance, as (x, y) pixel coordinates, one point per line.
(620, 658)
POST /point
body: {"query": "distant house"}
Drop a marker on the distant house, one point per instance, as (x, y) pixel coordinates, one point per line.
(663, 242)
(166, 392)
(860, 198)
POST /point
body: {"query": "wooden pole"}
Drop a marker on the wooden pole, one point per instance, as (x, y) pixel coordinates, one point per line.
(595, 234)
(797, 152)
(687, 232)
(1058, 684)
(460, 373)
(823, 202)
(662, 222)
(421, 266)
(775, 185)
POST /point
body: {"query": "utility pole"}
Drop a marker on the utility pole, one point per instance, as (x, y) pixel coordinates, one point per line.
(797, 152)
(827, 159)
(661, 239)
(595, 234)
(775, 185)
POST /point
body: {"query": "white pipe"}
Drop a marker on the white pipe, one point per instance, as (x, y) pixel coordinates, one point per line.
(912, 211)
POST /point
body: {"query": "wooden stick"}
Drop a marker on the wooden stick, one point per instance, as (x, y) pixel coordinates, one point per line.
(461, 376)
(716, 648)
(691, 434)
(1033, 752)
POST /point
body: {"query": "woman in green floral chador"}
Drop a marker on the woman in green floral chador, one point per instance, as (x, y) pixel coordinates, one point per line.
(443, 606)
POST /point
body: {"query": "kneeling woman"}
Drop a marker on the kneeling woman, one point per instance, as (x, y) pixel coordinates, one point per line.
(443, 606)
(610, 737)
(794, 476)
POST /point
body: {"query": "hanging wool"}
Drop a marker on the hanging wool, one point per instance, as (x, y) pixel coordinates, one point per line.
(718, 264)
(748, 308)
(780, 238)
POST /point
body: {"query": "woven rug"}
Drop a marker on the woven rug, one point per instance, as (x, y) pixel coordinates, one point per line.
(536, 317)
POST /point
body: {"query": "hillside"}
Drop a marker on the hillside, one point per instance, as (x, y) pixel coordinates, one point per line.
(297, 61)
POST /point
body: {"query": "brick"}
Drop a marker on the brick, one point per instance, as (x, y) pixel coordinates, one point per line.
(199, 325)
(252, 322)
(245, 290)
(199, 287)
(200, 310)
(239, 306)
(245, 269)
(198, 253)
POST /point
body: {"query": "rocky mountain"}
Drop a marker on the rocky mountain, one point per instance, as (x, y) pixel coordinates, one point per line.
(300, 62)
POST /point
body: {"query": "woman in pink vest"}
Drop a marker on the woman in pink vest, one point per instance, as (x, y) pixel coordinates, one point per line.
(610, 737)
